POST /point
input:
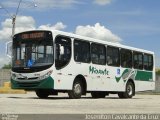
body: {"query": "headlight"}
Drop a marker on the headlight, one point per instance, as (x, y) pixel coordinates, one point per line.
(46, 75)
(14, 76)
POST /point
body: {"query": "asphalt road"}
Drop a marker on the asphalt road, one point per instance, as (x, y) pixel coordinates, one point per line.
(30, 104)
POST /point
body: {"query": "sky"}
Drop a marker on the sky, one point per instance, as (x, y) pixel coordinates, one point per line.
(134, 23)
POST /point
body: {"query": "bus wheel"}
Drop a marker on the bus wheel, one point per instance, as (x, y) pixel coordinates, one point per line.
(129, 92)
(98, 94)
(76, 91)
(42, 94)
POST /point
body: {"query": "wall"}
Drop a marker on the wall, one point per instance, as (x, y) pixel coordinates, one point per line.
(157, 86)
(4, 76)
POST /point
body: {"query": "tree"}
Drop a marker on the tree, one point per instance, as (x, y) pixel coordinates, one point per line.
(7, 66)
(158, 72)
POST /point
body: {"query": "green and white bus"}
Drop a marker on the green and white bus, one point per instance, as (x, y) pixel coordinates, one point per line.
(50, 62)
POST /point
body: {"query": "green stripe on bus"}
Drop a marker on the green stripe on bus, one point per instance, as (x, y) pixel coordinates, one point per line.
(144, 76)
(138, 75)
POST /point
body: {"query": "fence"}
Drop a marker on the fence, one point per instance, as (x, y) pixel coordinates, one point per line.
(157, 86)
(5, 75)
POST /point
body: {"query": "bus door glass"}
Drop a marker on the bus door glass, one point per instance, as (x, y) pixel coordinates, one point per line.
(63, 51)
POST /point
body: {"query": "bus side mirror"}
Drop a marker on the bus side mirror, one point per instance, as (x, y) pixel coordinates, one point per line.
(9, 49)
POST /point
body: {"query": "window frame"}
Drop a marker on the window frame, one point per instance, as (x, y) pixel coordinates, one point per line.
(148, 62)
(127, 64)
(86, 42)
(118, 62)
(55, 49)
(104, 48)
(138, 53)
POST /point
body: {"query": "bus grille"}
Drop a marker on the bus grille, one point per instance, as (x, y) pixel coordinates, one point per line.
(28, 84)
(33, 78)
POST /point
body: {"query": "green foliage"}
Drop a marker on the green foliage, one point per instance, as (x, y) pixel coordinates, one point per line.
(158, 72)
(7, 66)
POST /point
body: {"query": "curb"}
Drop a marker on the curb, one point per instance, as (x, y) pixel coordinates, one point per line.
(6, 89)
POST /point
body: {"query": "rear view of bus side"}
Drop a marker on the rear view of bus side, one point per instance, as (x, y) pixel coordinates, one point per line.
(50, 62)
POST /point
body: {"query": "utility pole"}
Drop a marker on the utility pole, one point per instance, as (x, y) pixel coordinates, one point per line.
(14, 19)
(13, 25)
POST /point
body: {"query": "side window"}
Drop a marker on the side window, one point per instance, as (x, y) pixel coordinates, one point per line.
(148, 62)
(138, 60)
(113, 58)
(63, 51)
(81, 51)
(98, 54)
(126, 58)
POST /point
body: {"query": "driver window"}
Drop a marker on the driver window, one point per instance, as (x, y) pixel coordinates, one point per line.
(63, 51)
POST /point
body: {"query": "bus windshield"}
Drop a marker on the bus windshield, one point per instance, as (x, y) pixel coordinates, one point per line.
(32, 50)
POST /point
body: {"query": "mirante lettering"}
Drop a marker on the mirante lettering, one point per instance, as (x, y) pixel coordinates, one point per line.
(94, 70)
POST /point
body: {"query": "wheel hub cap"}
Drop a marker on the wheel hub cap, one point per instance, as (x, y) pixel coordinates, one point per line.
(77, 89)
(129, 90)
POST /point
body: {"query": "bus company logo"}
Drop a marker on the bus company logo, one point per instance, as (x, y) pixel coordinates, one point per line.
(127, 73)
(94, 70)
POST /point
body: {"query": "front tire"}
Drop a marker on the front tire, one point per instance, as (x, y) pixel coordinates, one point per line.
(42, 93)
(129, 92)
(76, 91)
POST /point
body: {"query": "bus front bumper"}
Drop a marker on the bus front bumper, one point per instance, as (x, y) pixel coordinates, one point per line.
(47, 83)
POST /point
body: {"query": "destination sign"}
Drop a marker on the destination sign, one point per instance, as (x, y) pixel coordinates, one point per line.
(34, 35)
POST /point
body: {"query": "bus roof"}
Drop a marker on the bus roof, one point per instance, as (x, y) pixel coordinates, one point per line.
(100, 41)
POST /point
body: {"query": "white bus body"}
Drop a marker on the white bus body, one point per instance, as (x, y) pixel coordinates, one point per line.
(95, 75)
